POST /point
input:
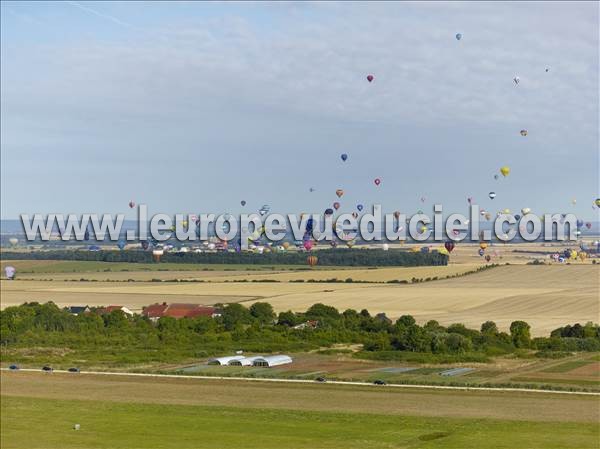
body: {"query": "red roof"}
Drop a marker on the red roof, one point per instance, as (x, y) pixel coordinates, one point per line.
(178, 310)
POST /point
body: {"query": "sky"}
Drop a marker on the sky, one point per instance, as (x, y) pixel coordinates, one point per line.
(192, 107)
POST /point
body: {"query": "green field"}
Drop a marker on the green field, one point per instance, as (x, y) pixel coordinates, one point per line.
(43, 423)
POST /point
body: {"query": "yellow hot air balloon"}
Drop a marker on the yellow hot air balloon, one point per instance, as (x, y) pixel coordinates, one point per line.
(506, 211)
(582, 256)
(574, 254)
(483, 245)
(505, 170)
(443, 250)
(525, 210)
(286, 245)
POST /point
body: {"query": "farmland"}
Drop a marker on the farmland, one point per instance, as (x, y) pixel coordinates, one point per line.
(546, 296)
(146, 412)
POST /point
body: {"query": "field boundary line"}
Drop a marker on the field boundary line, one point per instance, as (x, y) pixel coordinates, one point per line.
(312, 382)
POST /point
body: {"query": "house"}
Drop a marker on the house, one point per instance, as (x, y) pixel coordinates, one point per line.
(310, 324)
(109, 309)
(78, 310)
(179, 310)
(382, 317)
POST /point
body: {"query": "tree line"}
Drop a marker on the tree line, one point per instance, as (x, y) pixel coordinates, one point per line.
(330, 257)
(120, 338)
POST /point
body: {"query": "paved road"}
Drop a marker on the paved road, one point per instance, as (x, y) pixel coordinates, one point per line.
(303, 381)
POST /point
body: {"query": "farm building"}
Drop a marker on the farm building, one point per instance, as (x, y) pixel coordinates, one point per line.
(109, 309)
(179, 310)
(78, 310)
(224, 361)
(272, 360)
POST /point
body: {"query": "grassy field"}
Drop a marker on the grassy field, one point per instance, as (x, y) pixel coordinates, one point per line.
(39, 411)
(545, 296)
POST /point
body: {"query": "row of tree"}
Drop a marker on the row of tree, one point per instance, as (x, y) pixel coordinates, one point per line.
(331, 257)
(259, 329)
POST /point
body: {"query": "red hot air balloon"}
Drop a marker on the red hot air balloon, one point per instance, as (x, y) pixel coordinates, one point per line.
(312, 260)
(336, 205)
(377, 181)
(339, 193)
(449, 245)
(308, 244)
(370, 78)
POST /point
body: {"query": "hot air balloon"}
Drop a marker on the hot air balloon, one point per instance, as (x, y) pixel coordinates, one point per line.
(488, 258)
(329, 211)
(285, 245)
(312, 189)
(492, 195)
(308, 244)
(579, 223)
(597, 202)
(517, 217)
(344, 157)
(336, 205)
(423, 199)
(483, 245)
(547, 69)
(523, 132)
(131, 204)
(385, 247)
(397, 214)
(496, 177)
(525, 211)
(588, 225)
(470, 200)
(13, 241)
(377, 181)
(121, 244)
(145, 244)
(243, 203)
(574, 201)
(339, 193)
(488, 216)
(458, 36)
(449, 245)
(10, 272)
(264, 210)
(312, 260)
(516, 80)
(506, 211)
(370, 78)
(505, 171)
(359, 207)
(355, 214)
(333, 244)
(350, 243)
(156, 255)
(582, 256)
(481, 252)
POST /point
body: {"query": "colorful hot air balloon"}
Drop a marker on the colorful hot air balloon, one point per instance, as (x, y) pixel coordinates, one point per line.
(481, 252)
(524, 132)
(243, 202)
(339, 193)
(483, 245)
(359, 207)
(449, 245)
(156, 255)
(492, 195)
(285, 245)
(336, 205)
(344, 157)
(505, 171)
(377, 181)
(312, 260)
(10, 272)
(488, 258)
(458, 36)
(131, 204)
(355, 214)
(308, 244)
(370, 78)
(329, 211)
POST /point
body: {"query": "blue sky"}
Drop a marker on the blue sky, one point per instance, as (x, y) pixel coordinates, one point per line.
(192, 107)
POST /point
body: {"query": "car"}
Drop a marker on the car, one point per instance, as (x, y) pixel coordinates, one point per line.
(47, 368)
(74, 370)
(380, 382)
(320, 379)
(13, 367)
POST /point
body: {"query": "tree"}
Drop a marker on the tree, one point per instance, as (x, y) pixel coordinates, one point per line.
(321, 311)
(263, 312)
(406, 320)
(235, 315)
(519, 331)
(288, 318)
(457, 343)
(489, 328)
